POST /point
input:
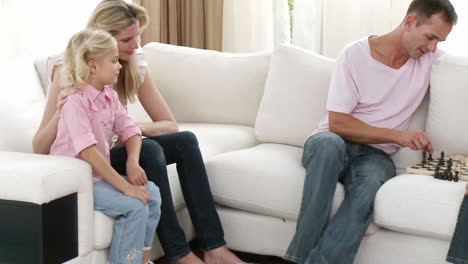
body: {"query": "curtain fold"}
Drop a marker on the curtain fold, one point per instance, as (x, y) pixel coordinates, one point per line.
(191, 23)
(255, 25)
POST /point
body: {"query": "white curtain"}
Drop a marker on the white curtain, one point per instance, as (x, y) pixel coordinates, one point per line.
(30, 28)
(250, 26)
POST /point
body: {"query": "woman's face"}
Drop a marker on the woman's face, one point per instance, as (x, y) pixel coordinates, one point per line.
(127, 40)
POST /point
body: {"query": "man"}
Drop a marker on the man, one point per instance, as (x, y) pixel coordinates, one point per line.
(377, 85)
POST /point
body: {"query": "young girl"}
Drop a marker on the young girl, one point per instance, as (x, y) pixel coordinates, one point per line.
(87, 120)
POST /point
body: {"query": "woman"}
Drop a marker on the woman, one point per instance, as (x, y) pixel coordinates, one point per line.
(164, 145)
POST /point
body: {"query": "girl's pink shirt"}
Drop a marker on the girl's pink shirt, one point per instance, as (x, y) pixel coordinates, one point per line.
(89, 118)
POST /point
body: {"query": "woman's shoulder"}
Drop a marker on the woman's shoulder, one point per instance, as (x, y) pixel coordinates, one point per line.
(53, 61)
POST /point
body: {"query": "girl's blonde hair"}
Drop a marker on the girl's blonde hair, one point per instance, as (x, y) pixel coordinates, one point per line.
(82, 47)
(114, 16)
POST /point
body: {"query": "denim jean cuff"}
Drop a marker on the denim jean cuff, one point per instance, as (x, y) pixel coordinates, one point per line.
(292, 258)
(211, 247)
(177, 256)
(456, 260)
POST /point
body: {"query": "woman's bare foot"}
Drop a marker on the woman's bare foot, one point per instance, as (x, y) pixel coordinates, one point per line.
(188, 259)
(220, 255)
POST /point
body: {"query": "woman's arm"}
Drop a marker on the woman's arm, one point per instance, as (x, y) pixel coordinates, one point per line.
(157, 108)
(47, 131)
(92, 155)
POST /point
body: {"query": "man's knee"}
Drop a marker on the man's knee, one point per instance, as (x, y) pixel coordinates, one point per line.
(326, 144)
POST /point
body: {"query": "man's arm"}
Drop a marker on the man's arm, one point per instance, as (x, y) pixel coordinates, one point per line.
(354, 130)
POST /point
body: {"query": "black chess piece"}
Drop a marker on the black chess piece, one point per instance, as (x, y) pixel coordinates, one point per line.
(424, 157)
(436, 172)
(442, 154)
(449, 164)
(449, 175)
(430, 157)
(455, 178)
(445, 175)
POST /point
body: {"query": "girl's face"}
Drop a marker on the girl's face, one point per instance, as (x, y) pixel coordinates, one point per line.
(108, 68)
(127, 40)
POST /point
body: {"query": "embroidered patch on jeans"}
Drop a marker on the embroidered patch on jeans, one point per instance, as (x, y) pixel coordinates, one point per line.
(132, 255)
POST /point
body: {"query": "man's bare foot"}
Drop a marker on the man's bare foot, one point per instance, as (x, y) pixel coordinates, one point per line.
(220, 255)
(188, 259)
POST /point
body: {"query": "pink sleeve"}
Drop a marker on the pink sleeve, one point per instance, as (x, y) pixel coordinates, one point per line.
(124, 126)
(76, 119)
(343, 95)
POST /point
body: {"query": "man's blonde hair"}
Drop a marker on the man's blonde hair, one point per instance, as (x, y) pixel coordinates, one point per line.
(114, 16)
(81, 48)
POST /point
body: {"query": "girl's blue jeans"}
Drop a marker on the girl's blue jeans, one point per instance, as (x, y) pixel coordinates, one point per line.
(135, 224)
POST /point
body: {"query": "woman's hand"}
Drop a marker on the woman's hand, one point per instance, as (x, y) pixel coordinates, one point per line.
(139, 192)
(136, 175)
(62, 97)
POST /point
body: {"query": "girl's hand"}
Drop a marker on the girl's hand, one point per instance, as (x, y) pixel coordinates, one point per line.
(136, 175)
(62, 97)
(139, 192)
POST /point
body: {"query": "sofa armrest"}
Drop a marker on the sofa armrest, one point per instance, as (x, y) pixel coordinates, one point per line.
(40, 179)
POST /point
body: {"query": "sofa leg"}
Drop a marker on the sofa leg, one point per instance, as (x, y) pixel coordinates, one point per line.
(43, 234)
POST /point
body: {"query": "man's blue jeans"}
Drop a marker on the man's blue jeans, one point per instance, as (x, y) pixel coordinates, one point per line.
(135, 224)
(458, 252)
(362, 169)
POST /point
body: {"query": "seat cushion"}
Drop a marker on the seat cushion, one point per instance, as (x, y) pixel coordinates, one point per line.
(267, 179)
(419, 205)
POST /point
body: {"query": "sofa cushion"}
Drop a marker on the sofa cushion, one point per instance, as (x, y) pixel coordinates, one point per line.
(419, 205)
(295, 96)
(447, 121)
(21, 104)
(204, 86)
(267, 179)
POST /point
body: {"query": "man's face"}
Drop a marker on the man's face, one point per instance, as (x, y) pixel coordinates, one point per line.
(423, 38)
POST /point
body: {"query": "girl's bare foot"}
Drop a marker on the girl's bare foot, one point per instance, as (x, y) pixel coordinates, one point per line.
(220, 255)
(188, 259)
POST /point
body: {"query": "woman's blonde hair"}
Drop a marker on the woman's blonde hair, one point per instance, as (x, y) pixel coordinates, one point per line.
(114, 16)
(82, 47)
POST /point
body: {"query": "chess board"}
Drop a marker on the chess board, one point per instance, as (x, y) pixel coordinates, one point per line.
(460, 164)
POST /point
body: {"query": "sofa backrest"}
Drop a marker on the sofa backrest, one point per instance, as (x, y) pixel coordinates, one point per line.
(295, 96)
(447, 121)
(22, 103)
(203, 86)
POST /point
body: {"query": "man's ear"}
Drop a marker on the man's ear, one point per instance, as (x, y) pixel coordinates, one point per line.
(92, 66)
(411, 21)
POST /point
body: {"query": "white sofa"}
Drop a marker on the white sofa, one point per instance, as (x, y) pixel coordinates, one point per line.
(252, 114)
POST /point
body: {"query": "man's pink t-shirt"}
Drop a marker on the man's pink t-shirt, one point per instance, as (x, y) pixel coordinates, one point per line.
(375, 93)
(89, 118)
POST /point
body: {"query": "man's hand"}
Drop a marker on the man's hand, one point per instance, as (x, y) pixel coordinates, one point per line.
(136, 175)
(415, 140)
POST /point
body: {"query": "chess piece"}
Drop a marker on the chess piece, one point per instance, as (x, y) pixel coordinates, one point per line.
(436, 172)
(449, 175)
(442, 154)
(455, 179)
(449, 164)
(430, 157)
(424, 157)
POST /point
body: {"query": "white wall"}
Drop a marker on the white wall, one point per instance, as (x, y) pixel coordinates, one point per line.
(38, 28)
